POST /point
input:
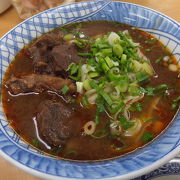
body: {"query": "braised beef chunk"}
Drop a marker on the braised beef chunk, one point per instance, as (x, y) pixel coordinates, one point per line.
(62, 59)
(54, 123)
(38, 83)
(49, 54)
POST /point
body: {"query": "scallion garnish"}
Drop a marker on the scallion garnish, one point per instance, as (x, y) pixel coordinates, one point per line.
(70, 152)
(142, 76)
(147, 136)
(73, 68)
(148, 50)
(81, 43)
(68, 37)
(149, 90)
(158, 59)
(117, 107)
(65, 89)
(175, 103)
(85, 54)
(139, 107)
(126, 124)
(85, 101)
(113, 72)
(35, 142)
(106, 97)
(151, 41)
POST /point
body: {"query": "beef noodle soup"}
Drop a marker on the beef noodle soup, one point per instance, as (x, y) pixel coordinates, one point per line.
(91, 90)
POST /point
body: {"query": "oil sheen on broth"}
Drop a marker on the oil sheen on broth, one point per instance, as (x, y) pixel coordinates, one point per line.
(91, 91)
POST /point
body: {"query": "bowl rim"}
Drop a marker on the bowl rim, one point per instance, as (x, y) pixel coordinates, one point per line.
(130, 175)
(108, 1)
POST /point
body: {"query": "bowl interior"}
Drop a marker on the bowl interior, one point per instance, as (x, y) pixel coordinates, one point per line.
(11, 145)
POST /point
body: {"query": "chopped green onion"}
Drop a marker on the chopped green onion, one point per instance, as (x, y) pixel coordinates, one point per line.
(70, 152)
(122, 86)
(100, 133)
(134, 89)
(142, 76)
(68, 37)
(177, 99)
(112, 38)
(152, 41)
(73, 68)
(115, 70)
(158, 59)
(81, 35)
(106, 52)
(136, 66)
(35, 142)
(149, 91)
(56, 150)
(126, 124)
(147, 68)
(91, 61)
(162, 89)
(79, 86)
(94, 85)
(109, 62)
(63, 29)
(74, 78)
(149, 119)
(85, 101)
(105, 67)
(161, 86)
(147, 136)
(86, 84)
(123, 58)
(100, 104)
(175, 104)
(65, 89)
(93, 74)
(139, 107)
(72, 100)
(100, 108)
(148, 50)
(113, 76)
(80, 43)
(114, 110)
(118, 50)
(132, 108)
(103, 46)
(85, 54)
(97, 118)
(106, 97)
(78, 26)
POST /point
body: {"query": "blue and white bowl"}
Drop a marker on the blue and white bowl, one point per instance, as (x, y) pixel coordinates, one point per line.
(157, 153)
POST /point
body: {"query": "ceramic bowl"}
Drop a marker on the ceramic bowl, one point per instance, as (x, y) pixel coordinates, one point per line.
(164, 148)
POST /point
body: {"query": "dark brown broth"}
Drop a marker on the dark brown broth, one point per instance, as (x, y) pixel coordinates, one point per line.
(21, 109)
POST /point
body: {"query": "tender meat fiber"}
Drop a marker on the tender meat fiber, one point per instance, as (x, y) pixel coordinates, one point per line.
(49, 54)
(62, 59)
(54, 123)
(44, 44)
(38, 83)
